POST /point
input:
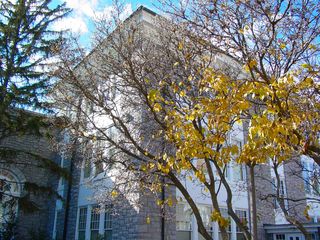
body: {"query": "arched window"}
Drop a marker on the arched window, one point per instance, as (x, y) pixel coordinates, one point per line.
(10, 191)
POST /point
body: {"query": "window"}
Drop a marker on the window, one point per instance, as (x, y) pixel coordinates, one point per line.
(108, 223)
(98, 167)
(87, 169)
(281, 192)
(82, 223)
(238, 172)
(280, 237)
(224, 214)
(242, 214)
(183, 222)
(205, 212)
(94, 223)
(311, 173)
(227, 171)
(9, 193)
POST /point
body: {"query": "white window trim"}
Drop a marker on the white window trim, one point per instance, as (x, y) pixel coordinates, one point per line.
(88, 221)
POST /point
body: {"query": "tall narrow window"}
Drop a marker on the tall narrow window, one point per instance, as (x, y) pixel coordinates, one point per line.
(306, 177)
(238, 172)
(242, 214)
(94, 224)
(82, 223)
(9, 193)
(311, 173)
(205, 212)
(281, 192)
(98, 167)
(87, 169)
(108, 223)
(224, 214)
(183, 222)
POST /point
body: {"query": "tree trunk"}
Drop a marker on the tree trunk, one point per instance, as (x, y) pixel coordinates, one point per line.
(253, 204)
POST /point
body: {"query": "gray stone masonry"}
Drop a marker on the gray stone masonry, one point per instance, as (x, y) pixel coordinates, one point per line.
(32, 222)
(295, 189)
(265, 206)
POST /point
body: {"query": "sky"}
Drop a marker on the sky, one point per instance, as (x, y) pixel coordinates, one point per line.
(80, 21)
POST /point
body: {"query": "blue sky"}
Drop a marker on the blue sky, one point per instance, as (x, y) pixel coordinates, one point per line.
(80, 21)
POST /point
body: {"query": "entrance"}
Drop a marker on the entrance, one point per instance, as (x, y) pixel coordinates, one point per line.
(295, 237)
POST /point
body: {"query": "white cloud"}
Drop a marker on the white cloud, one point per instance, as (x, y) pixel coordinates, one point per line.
(127, 10)
(85, 11)
(83, 7)
(108, 11)
(74, 24)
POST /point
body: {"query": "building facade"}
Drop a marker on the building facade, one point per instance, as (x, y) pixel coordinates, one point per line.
(89, 221)
(79, 215)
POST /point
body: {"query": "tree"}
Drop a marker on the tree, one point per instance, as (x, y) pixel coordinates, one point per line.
(27, 46)
(223, 68)
(137, 104)
(277, 42)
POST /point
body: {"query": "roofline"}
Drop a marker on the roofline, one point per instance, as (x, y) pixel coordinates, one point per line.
(287, 226)
(140, 8)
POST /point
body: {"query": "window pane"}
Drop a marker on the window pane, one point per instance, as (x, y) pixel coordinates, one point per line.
(224, 214)
(95, 235)
(183, 222)
(183, 217)
(87, 169)
(108, 218)
(237, 172)
(183, 235)
(108, 235)
(243, 218)
(82, 218)
(108, 223)
(95, 218)
(205, 213)
(202, 238)
(99, 167)
(82, 223)
(220, 236)
(240, 236)
(82, 235)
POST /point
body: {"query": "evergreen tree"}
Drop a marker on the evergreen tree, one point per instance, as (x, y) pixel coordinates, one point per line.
(27, 46)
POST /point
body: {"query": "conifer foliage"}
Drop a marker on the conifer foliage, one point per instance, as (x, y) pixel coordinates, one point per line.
(27, 46)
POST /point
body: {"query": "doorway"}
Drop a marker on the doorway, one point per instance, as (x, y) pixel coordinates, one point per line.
(295, 237)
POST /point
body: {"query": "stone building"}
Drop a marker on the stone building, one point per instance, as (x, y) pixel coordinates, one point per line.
(79, 215)
(27, 186)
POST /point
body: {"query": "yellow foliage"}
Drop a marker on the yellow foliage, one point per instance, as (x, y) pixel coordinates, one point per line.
(114, 193)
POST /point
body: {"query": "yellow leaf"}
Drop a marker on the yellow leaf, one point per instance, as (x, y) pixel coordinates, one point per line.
(182, 94)
(241, 31)
(180, 46)
(114, 193)
(283, 45)
(252, 63)
(153, 94)
(312, 47)
(307, 66)
(148, 220)
(157, 107)
(159, 202)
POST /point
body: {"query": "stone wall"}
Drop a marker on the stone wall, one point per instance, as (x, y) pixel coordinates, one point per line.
(295, 189)
(32, 224)
(265, 206)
